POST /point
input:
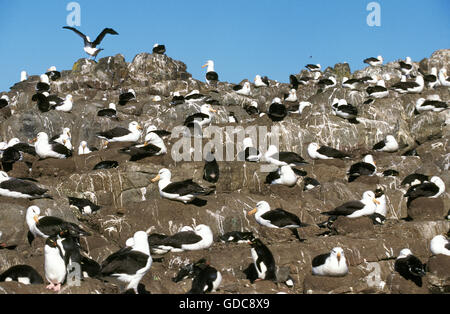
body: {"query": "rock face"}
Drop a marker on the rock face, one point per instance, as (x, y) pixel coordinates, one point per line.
(131, 202)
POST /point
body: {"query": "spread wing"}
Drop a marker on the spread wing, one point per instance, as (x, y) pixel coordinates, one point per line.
(78, 33)
(22, 186)
(102, 35)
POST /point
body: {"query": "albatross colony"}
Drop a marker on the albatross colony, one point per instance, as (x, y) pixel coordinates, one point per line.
(348, 150)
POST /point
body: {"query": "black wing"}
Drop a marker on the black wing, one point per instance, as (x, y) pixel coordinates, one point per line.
(362, 168)
(102, 35)
(293, 81)
(116, 132)
(195, 116)
(350, 109)
(291, 157)
(78, 33)
(51, 225)
(422, 190)
(127, 262)
(375, 89)
(379, 145)
(138, 153)
(331, 152)
(320, 259)
(274, 175)
(281, 218)
(22, 186)
(25, 148)
(61, 149)
(107, 112)
(347, 208)
(184, 237)
(184, 188)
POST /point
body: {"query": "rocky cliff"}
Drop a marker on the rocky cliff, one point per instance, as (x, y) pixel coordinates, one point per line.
(130, 202)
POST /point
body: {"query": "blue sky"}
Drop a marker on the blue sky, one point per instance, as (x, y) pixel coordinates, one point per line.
(243, 37)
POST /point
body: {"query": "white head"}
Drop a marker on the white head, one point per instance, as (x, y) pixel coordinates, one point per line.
(369, 159)
(254, 104)
(404, 253)
(369, 196)
(44, 78)
(5, 97)
(83, 145)
(206, 109)
(112, 106)
(141, 242)
(186, 228)
(261, 208)
(129, 242)
(154, 139)
(134, 127)
(42, 136)
(312, 150)
(338, 254)
(408, 60)
(66, 132)
(69, 97)
(380, 58)
(32, 215)
(210, 65)
(163, 174)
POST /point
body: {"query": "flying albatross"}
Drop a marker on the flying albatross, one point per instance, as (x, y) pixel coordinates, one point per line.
(91, 47)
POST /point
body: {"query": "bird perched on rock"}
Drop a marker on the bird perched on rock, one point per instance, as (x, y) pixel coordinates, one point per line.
(330, 264)
(277, 218)
(19, 188)
(432, 189)
(46, 226)
(440, 245)
(85, 206)
(211, 75)
(159, 49)
(374, 61)
(120, 134)
(206, 278)
(342, 109)
(277, 158)
(184, 191)
(24, 274)
(353, 209)
(277, 110)
(389, 144)
(366, 167)
(91, 47)
(284, 175)
(186, 240)
(54, 264)
(324, 152)
(46, 149)
(110, 112)
(410, 267)
(263, 260)
(242, 89)
(127, 96)
(127, 267)
(261, 81)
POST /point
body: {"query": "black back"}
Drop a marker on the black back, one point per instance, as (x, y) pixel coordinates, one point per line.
(17, 271)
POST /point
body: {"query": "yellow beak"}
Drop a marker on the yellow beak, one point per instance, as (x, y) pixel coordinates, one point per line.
(254, 210)
(339, 257)
(204, 66)
(376, 201)
(36, 218)
(212, 110)
(139, 127)
(33, 140)
(156, 179)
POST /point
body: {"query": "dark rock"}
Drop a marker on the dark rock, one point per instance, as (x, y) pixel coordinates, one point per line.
(425, 208)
